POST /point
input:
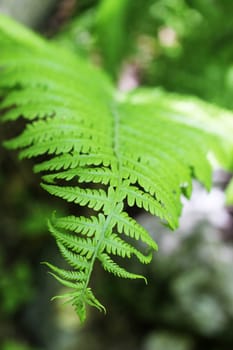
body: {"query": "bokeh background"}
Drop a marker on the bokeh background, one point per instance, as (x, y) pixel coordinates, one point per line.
(184, 46)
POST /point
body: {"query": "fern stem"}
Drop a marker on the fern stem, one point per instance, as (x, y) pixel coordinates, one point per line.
(101, 240)
(115, 115)
(116, 122)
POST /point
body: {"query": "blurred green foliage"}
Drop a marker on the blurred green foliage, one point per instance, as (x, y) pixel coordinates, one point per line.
(15, 345)
(182, 45)
(15, 285)
(168, 341)
(112, 20)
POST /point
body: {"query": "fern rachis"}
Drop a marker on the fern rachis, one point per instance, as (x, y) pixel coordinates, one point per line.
(105, 150)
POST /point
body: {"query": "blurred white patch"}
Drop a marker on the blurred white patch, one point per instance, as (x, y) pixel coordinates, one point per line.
(167, 36)
(129, 78)
(204, 206)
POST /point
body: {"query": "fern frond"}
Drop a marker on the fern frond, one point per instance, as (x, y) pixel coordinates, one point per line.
(81, 224)
(144, 200)
(115, 245)
(111, 266)
(130, 227)
(96, 175)
(94, 199)
(84, 247)
(76, 261)
(136, 149)
(70, 161)
(65, 274)
(65, 281)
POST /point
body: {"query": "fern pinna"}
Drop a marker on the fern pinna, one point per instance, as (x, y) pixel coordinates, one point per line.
(104, 150)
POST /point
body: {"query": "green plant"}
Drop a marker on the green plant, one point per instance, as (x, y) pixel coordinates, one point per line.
(19, 274)
(107, 151)
(14, 345)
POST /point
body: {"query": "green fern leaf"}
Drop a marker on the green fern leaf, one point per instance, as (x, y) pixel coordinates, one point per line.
(76, 261)
(111, 266)
(141, 148)
(95, 199)
(81, 224)
(67, 275)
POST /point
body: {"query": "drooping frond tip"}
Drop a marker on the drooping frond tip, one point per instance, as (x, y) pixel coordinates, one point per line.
(104, 152)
